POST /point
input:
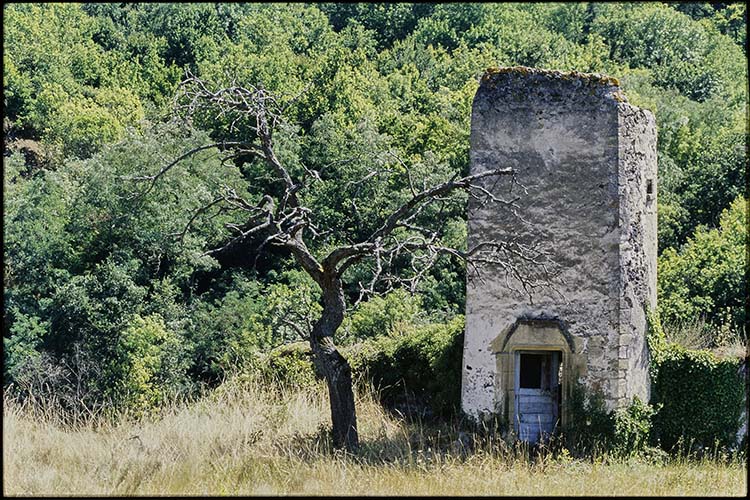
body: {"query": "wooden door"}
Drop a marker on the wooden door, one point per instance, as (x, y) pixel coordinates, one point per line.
(536, 388)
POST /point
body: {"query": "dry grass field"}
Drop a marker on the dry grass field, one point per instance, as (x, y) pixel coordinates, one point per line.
(247, 440)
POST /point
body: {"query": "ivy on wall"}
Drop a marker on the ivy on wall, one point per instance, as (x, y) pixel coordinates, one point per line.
(700, 396)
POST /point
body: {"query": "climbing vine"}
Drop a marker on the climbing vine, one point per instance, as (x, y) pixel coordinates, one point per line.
(700, 396)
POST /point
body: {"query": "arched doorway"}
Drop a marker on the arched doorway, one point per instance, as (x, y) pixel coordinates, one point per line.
(535, 360)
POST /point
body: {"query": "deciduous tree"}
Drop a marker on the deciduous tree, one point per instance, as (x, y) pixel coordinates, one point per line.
(407, 235)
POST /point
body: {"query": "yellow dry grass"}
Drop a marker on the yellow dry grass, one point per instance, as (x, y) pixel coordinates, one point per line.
(247, 440)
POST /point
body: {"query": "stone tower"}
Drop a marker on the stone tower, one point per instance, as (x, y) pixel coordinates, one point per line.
(585, 163)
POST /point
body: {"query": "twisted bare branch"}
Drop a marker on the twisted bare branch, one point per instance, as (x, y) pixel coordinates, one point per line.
(408, 239)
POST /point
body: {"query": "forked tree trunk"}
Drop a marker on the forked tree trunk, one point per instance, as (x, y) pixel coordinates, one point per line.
(335, 367)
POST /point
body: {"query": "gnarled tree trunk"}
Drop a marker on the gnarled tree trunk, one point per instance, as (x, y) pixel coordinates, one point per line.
(334, 366)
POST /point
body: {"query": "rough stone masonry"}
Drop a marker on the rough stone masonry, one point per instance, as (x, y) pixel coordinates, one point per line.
(585, 185)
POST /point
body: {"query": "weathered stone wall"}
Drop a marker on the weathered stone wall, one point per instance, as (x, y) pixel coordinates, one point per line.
(637, 176)
(584, 159)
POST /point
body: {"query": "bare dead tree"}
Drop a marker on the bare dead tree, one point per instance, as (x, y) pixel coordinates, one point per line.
(279, 218)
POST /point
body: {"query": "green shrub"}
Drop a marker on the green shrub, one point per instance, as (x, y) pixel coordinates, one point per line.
(706, 278)
(229, 330)
(289, 365)
(381, 315)
(22, 347)
(590, 426)
(592, 429)
(632, 428)
(423, 365)
(147, 365)
(700, 395)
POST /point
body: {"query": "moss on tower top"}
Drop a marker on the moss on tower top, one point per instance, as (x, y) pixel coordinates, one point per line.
(563, 75)
(493, 76)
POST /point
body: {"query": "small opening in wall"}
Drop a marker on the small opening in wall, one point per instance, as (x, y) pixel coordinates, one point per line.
(650, 187)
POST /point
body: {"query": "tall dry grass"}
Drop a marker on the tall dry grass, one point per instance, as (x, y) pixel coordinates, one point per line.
(723, 341)
(246, 439)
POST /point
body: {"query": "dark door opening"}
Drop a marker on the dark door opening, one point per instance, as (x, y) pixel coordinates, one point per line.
(537, 394)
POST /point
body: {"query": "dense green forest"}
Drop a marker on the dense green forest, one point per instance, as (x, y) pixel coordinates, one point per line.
(108, 300)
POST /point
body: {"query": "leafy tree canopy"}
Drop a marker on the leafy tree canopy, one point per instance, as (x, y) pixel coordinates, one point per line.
(100, 271)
